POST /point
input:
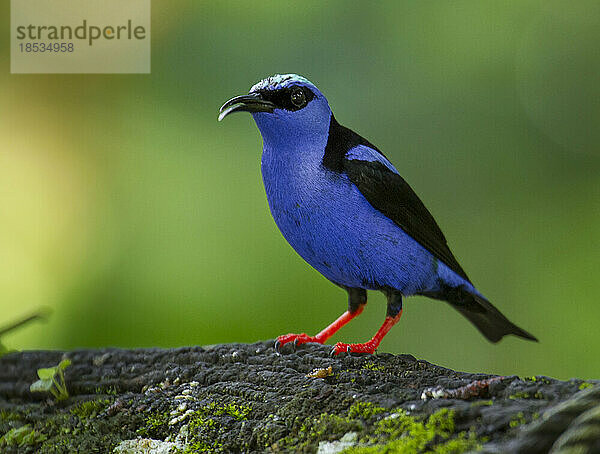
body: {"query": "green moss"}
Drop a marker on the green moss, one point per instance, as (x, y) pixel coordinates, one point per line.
(364, 410)
(67, 432)
(481, 403)
(194, 447)
(239, 412)
(520, 395)
(464, 442)
(22, 436)
(399, 432)
(403, 433)
(324, 427)
(586, 385)
(110, 390)
(154, 424)
(203, 428)
(518, 420)
(526, 395)
(400, 423)
(90, 409)
(54, 429)
(372, 366)
(7, 416)
(535, 379)
(325, 424)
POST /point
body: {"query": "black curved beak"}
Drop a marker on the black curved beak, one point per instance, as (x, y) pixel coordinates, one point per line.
(253, 102)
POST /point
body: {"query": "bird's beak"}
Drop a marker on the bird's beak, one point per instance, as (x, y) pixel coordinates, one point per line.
(253, 102)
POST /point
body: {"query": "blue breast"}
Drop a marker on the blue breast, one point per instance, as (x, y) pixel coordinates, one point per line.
(333, 227)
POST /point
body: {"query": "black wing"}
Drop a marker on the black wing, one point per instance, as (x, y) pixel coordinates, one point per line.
(390, 194)
(387, 192)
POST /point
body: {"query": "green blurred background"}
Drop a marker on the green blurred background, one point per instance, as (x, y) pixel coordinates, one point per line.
(141, 221)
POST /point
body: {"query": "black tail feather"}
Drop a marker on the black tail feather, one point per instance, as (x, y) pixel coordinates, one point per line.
(479, 311)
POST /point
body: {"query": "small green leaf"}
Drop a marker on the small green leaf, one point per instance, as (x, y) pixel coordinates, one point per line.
(52, 380)
(64, 364)
(47, 373)
(22, 436)
(32, 438)
(41, 386)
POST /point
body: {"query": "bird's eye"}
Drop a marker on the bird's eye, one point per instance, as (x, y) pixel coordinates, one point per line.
(298, 97)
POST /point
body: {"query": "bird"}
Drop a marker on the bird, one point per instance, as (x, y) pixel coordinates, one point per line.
(344, 208)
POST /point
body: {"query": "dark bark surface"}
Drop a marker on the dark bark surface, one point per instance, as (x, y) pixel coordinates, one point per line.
(247, 398)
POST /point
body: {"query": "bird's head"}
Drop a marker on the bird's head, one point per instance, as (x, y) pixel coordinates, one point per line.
(286, 108)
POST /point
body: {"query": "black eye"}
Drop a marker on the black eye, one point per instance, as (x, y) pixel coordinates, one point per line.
(298, 97)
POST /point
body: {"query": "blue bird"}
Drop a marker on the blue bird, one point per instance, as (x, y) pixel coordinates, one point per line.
(345, 209)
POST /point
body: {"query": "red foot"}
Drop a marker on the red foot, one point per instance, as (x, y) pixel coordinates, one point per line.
(320, 338)
(371, 346)
(297, 339)
(367, 347)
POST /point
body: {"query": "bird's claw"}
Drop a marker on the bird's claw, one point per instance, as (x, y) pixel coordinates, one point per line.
(335, 350)
(341, 347)
(294, 340)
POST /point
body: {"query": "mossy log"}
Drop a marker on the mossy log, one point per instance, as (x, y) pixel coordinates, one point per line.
(248, 398)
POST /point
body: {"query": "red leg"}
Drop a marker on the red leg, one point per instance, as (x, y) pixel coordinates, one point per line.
(323, 335)
(371, 346)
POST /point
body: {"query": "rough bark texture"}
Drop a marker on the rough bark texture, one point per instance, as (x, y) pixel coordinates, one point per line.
(247, 398)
